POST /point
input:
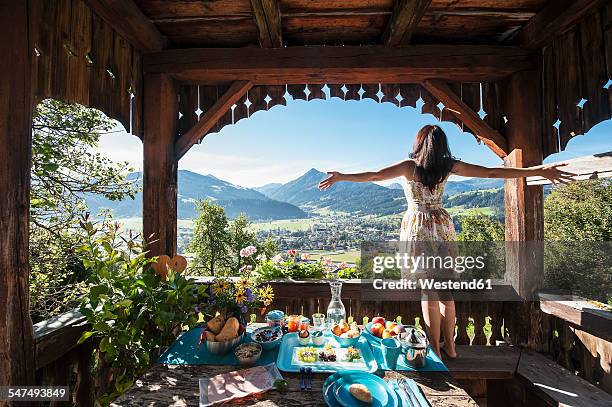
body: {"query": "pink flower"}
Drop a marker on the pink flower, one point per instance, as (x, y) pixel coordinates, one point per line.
(277, 259)
(248, 251)
(305, 256)
(343, 265)
(327, 262)
(291, 252)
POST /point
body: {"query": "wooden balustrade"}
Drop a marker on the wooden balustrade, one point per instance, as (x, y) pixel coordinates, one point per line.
(585, 350)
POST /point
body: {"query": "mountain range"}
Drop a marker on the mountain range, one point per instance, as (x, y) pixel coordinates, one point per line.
(292, 200)
(192, 187)
(359, 198)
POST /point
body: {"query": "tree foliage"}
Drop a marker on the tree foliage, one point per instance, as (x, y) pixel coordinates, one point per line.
(580, 211)
(480, 228)
(217, 241)
(65, 167)
(578, 230)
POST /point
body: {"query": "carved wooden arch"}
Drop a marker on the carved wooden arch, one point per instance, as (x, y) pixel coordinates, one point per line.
(78, 58)
(462, 103)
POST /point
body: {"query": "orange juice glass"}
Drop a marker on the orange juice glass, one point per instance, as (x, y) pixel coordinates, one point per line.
(293, 323)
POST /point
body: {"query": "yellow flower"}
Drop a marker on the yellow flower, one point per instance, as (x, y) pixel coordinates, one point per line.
(220, 286)
(266, 294)
(243, 283)
(240, 296)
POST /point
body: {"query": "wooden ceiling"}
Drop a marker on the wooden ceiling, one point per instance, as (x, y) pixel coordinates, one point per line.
(236, 23)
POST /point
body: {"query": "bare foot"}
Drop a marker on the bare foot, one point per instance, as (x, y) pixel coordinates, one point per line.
(449, 350)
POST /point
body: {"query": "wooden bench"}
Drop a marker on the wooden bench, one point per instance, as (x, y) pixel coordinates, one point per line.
(557, 386)
(484, 362)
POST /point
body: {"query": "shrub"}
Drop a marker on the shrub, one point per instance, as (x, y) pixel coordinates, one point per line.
(132, 311)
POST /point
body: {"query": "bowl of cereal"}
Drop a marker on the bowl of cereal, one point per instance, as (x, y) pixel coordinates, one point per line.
(248, 353)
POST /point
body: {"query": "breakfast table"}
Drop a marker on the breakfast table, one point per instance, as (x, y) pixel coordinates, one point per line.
(178, 385)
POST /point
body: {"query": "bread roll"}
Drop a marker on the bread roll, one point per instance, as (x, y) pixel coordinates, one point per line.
(229, 331)
(216, 324)
(361, 393)
(210, 337)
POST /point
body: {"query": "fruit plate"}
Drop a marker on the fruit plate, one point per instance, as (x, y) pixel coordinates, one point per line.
(336, 390)
(287, 360)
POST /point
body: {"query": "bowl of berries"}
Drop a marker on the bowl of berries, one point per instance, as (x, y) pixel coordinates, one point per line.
(268, 337)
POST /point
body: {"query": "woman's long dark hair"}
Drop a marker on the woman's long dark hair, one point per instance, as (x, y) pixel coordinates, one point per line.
(432, 156)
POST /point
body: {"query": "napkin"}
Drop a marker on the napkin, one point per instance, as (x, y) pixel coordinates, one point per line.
(238, 384)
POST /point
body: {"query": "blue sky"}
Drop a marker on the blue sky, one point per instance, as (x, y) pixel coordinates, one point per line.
(286, 141)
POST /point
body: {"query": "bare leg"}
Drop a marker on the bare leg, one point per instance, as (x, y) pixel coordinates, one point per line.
(432, 317)
(447, 310)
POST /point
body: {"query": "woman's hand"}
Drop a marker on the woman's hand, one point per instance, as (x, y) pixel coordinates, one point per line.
(332, 178)
(555, 175)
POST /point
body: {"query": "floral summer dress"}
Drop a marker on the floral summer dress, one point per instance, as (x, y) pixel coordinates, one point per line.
(426, 225)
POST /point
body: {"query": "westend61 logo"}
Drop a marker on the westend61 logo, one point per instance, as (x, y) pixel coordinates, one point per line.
(412, 264)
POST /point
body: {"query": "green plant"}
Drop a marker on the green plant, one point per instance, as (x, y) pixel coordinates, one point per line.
(65, 169)
(348, 272)
(132, 311)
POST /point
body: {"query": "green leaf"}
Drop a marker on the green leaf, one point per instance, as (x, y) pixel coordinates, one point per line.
(84, 337)
(104, 344)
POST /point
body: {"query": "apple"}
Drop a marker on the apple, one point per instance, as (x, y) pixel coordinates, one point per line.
(387, 334)
(390, 325)
(398, 329)
(377, 329)
(378, 320)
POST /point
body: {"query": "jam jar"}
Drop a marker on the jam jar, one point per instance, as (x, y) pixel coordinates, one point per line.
(275, 318)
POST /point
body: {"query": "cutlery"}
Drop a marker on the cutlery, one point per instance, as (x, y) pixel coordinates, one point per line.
(404, 388)
(302, 379)
(309, 378)
(416, 390)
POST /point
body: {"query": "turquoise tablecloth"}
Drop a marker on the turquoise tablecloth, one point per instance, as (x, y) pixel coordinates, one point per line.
(184, 351)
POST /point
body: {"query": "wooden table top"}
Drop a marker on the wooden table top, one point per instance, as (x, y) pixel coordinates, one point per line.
(177, 385)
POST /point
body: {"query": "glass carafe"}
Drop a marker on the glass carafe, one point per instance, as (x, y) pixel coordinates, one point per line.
(335, 311)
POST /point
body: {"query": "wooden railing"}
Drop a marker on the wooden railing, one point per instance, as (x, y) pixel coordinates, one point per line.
(583, 346)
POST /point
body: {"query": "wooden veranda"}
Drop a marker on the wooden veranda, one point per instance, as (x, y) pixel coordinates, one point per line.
(174, 71)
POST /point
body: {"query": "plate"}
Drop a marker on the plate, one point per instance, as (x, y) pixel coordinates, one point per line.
(328, 391)
(382, 396)
(287, 362)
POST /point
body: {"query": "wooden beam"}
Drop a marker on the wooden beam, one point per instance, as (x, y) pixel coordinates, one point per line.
(487, 134)
(524, 205)
(17, 366)
(554, 19)
(160, 166)
(365, 64)
(405, 18)
(237, 90)
(126, 18)
(268, 20)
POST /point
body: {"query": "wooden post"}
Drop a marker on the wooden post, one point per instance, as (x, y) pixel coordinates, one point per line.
(524, 209)
(160, 165)
(16, 344)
